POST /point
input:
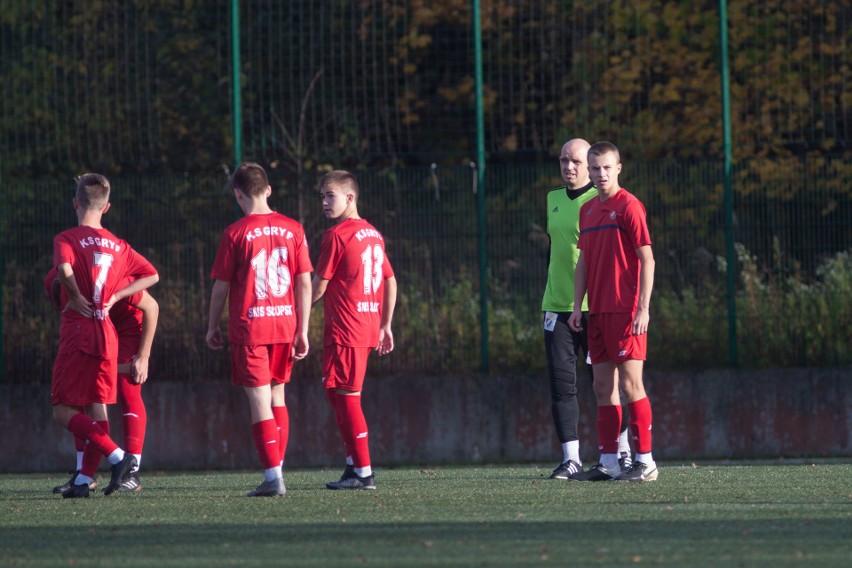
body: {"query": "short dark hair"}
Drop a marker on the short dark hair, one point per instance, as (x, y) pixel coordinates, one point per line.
(340, 177)
(250, 178)
(601, 148)
(92, 190)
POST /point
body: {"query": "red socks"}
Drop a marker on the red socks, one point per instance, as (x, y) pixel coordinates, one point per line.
(84, 427)
(265, 434)
(609, 427)
(134, 417)
(640, 424)
(91, 456)
(282, 420)
(333, 398)
(358, 441)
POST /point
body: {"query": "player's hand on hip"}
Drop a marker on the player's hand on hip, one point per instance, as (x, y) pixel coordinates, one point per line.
(214, 339)
(80, 305)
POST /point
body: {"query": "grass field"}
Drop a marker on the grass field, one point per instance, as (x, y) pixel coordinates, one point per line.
(709, 514)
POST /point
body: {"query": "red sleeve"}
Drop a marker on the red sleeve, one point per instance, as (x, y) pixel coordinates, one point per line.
(303, 258)
(331, 251)
(224, 265)
(62, 251)
(637, 227)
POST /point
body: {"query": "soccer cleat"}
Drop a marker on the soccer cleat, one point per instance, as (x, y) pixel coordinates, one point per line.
(640, 472)
(130, 485)
(67, 485)
(76, 491)
(353, 482)
(566, 469)
(348, 473)
(597, 473)
(120, 472)
(272, 488)
(625, 462)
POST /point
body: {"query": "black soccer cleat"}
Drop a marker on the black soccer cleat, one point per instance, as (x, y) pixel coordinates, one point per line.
(597, 473)
(566, 469)
(625, 462)
(272, 488)
(353, 482)
(120, 472)
(640, 472)
(76, 491)
(348, 473)
(132, 484)
(67, 485)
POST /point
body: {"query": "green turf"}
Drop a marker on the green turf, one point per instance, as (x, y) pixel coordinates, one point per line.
(711, 515)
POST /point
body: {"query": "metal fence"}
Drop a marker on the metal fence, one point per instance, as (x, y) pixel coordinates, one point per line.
(142, 92)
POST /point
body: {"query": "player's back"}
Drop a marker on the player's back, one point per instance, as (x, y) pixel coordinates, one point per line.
(259, 256)
(100, 262)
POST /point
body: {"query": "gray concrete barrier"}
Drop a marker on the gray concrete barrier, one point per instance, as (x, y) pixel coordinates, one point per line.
(790, 413)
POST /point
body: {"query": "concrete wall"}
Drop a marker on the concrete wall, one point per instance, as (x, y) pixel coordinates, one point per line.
(205, 425)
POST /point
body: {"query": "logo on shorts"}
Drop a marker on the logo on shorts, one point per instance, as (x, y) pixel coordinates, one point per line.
(622, 353)
(612, 215)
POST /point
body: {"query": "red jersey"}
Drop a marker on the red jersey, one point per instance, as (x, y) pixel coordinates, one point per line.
(610, 233)
(102, 263)
(352, 258)
(258, 256)
(125, 316)
(127, 319)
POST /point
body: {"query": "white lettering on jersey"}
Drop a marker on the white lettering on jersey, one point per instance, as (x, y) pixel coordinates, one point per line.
(364, 233)
(97, 241)
(268, 232)
(269, 311)
(368, 307)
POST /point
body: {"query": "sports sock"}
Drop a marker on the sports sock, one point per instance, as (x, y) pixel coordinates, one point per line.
(84, 427)
(138, 463)
(272, 473)
(91, 456)
(282, 420)
(80, 447)
(571, 451)
(623, 443)
(115, 456)
(134, 416)
(265, 434)
(609, 461)
(357, 429)
(609, 425)
(641, 424)
(364, 471)
(83, 479)
(334, 400)
(647, 459)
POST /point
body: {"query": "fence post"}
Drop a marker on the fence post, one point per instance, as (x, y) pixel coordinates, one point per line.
(236, 82)
(730, 253)
(480, 194)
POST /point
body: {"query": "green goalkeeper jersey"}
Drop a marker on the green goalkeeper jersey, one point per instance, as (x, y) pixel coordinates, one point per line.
(563, 227)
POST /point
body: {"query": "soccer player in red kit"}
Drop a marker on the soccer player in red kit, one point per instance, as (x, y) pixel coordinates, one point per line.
(263, 270)
(355, 277)
(616, 266)
(92, 265)
(135, 322)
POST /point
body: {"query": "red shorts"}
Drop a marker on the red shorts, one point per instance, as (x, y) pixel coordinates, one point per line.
(80, 379)
(611, 339)
(344, 367)
(261, 365)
